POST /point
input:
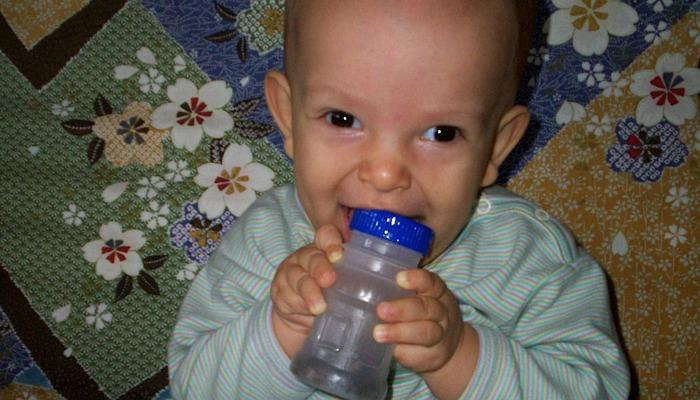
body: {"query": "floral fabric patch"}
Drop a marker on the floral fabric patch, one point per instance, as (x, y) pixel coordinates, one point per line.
(623, 175)
(31, 22)
(197, 235)
(645, 152)
(579, 50)
(130, 166)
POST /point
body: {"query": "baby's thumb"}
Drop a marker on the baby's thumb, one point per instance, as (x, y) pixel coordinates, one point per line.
(330, 240)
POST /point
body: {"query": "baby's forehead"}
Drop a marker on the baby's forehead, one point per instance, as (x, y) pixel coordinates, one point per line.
(297, 12)
(454, 29)
(415, 16)
(514, 18)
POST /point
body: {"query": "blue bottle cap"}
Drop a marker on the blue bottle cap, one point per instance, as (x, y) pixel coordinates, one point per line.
(394, 228)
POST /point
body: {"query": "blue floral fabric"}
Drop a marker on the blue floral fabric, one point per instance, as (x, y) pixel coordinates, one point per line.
(645, 153)
(559, 73)
(191, 22)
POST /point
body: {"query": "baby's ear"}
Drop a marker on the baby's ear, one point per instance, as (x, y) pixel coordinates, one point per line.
(279, 102)
(510, 129)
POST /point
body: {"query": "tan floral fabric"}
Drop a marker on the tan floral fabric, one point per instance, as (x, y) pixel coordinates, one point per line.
(130, 137)
(645, 234)
(32, 20)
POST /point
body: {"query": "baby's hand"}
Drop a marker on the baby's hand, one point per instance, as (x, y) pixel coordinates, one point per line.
(427, 328)
(296, 287)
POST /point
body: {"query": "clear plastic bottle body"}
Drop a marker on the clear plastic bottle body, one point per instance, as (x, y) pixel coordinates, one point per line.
(340, 356)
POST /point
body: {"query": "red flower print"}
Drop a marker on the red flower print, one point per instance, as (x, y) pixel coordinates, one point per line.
(193, 112)
(668, 88)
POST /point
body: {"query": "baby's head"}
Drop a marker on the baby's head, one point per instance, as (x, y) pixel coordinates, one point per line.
(399, 105)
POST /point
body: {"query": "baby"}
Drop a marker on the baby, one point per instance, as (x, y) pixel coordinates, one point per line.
(405, 106)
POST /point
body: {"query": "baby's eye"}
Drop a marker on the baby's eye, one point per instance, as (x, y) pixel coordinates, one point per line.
(342, 120)
(441, 133)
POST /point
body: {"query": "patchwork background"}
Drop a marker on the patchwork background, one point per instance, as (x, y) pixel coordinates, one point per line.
(612, 152)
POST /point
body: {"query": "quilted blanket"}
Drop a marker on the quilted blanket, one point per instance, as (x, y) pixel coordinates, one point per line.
(111, 107)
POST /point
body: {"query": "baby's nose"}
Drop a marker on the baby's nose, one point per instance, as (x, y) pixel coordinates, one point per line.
(385, 173)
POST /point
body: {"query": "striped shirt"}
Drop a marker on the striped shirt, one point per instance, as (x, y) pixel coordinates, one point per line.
(538, 302)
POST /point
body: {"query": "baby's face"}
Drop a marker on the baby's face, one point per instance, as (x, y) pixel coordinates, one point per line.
(394, 107)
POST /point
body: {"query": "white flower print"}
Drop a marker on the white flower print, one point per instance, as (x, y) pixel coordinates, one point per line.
(63, 109)
(122, 72)
(232, 184)
(675, 235)
(61, 314)
(538, 55)
(657, 33)
(97, 314)
(660, 4)
(614, 86)
(115, 252)
(179, 63)
(27, 396)
(151, 82)
(114, 191)
(591, 75)
(599, 125)
(570, 111)
(590, 23)
(677, 196)
(145, 55)
(178, 171)
(73, 216)
(156, 217)
(150, 187)
(667, 91)
(620, 246)
(695, 32)
(188, 272)
(193, 112)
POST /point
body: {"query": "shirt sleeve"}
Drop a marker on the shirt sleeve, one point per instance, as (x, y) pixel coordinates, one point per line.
(563, 345)
(223, 344)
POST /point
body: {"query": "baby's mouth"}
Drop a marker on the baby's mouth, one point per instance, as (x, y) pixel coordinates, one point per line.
(347, 216)
(347, 213)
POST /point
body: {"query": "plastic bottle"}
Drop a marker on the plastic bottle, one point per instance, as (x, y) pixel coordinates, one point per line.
(340, 355)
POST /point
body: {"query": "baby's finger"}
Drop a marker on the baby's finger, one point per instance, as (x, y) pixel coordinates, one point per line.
(309, 290)
(318, 266)
(424, 282)
(286, 288)
(288, 302)
(329, 239)
(421, 333)
(412, 309)
(293, 274)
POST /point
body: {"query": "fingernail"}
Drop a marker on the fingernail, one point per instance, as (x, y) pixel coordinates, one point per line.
(380, 333)
(335, 256)
(318, 308)
(402, 279)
